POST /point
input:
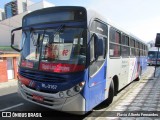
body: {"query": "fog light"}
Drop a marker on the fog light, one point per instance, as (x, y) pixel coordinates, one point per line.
(77, 88)
(61, 94)
(69, 92)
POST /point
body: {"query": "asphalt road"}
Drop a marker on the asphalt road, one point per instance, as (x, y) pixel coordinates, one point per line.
(11, 101)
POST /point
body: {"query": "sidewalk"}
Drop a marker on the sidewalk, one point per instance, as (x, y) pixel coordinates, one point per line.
(144, 98)
(10, 83)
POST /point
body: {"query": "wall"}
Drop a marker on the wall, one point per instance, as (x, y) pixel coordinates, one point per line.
(21, 5)
(39, 5)
(3, 66)
(3, 70)
(5, 29)
(1, 14)
(7, 25)
(47, 4)
(15, 67)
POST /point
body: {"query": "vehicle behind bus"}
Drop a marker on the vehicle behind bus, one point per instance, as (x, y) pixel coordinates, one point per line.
(153, 59)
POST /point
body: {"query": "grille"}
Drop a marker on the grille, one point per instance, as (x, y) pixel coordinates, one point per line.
(49, 101)
(43, 76)
(45, 101)
(44, 91)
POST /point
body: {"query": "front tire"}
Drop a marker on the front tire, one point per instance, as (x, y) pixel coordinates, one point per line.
(111, 93)
(139, 76)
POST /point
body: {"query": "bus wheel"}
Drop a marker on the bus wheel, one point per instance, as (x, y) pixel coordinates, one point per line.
(111, 93)
(139, 76)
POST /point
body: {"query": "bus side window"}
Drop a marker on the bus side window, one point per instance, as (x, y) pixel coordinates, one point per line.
(115, 38)
(100, 29)
(114, 50)
(125, 51)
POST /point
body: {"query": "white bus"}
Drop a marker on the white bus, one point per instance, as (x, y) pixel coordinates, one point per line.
(72, 59)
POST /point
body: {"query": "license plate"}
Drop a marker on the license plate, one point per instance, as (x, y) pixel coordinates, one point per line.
(38, 98)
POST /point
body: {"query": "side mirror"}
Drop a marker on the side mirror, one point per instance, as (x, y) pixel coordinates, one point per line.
(98, 47)
(12, 39)
(157, 42)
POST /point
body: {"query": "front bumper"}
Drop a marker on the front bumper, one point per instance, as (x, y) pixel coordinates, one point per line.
(74, 104)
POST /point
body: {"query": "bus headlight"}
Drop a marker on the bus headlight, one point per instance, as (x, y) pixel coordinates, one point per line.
(69, 92)
(61, 94)
(72, 91)
(77, 88)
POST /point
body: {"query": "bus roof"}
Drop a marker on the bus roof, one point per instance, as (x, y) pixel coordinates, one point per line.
(43, 10)
(92, 14)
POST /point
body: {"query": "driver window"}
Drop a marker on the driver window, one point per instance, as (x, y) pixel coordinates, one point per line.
(102, 32)
(92, 50)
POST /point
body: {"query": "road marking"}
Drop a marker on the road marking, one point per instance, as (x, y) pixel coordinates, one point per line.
(14, 106)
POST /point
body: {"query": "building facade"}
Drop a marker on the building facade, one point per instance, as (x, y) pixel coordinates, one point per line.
(8, 67)
(16, 7)
(39, 5)
(2, 14)
(16, 21)
(5, 29)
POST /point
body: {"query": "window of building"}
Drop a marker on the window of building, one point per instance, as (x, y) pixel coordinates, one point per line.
(24, 4)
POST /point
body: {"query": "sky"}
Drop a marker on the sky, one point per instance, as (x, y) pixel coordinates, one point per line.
(139, 17)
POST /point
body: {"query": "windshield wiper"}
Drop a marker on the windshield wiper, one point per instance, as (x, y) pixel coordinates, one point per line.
(61, 27)
(38, 43)
(32, 33)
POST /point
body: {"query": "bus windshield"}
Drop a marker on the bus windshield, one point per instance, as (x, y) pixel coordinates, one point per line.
(153, 54)
(53, 50)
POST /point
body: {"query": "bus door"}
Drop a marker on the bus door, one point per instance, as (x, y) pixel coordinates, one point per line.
(97, 68)
(97, 78)
(138, 63)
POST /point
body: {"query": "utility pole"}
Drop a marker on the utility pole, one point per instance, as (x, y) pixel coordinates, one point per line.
(157, 44)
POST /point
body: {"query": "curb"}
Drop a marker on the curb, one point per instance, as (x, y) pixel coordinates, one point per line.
(10, 83)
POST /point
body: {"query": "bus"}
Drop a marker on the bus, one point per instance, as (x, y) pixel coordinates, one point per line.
(73, 59)
(152, 56)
